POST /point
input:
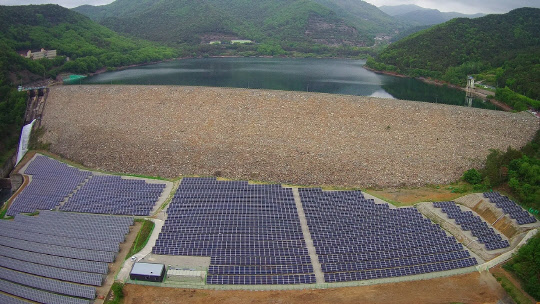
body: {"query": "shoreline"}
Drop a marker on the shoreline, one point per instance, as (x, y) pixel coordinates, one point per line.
(441, 83)
(104, 70)
(477, 94)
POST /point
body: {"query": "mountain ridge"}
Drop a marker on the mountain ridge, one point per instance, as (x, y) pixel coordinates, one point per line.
(419, 16)
(328, 22)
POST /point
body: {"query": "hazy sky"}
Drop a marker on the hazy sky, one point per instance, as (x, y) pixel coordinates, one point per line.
(464, 6)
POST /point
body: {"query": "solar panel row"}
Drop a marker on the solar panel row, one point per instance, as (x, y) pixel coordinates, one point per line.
(55, 261)
(38, 295)
(39, 263)
(260, 270)
(397, 272)
(471, 222)
(510, 207)
(55, 286)
(261, 279)
(54, 182)
(251, 232)
(357, 239)
(6, 299)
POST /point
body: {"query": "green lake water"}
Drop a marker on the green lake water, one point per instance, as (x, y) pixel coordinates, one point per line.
(335, 76)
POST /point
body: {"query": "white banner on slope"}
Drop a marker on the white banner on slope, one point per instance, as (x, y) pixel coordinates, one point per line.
(25, 139)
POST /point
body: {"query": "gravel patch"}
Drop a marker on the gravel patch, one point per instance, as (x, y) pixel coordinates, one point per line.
(275, 136)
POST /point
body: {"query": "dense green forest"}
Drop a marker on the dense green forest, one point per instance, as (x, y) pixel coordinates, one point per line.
(12, 102)
(501, 49)
(88, 45)
(526, 266)
(179, 22)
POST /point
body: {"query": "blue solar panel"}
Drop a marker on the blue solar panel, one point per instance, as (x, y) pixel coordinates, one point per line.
(357, 239)
(251, 232)
(54, 182)
(471, 222)
(510, 207)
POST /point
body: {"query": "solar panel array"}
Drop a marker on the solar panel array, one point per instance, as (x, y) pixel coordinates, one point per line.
(58, 257)
(107, 194)
(356, 239)
(510, 207)
(251, 232)
(5, 299)
(53, 182)
(471, 222)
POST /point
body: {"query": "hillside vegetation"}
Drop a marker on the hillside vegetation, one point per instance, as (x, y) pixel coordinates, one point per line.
(365, 17)
(12, 103)
(89, 45)
(290, 21)
(501, 49)
(526, 266)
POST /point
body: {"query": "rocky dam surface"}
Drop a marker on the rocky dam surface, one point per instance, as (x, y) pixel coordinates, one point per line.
(274, 136)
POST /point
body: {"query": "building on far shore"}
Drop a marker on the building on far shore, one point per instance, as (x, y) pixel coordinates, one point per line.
(49, 54)
(241, 41)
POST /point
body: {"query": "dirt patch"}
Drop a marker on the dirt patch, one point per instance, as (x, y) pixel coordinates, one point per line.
(469, 288)
(409, 197)
(275, 136)
(503, 224)
(103, 290)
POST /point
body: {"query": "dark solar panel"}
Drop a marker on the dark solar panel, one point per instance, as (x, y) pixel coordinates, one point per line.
(471, 222)
(510, 207)
(357, 239)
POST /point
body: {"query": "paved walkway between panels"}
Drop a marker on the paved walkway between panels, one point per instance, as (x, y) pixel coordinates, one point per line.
(319, 275)
(123, 274)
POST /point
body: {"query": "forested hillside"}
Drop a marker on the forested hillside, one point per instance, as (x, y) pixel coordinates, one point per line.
(501, 49)
(12, 102)
(89, 45)
(365, 17)
(284, 21)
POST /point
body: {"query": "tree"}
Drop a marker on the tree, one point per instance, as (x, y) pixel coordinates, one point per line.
(472, 176)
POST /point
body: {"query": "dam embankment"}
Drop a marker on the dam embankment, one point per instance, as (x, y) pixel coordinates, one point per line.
(276, 136)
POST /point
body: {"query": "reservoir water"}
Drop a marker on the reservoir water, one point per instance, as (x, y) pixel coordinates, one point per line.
(335, 76)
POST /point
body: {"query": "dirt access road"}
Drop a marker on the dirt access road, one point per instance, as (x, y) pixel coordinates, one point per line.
(469, 288)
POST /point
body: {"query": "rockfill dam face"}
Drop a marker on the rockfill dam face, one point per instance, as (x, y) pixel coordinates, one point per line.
(275, 136)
